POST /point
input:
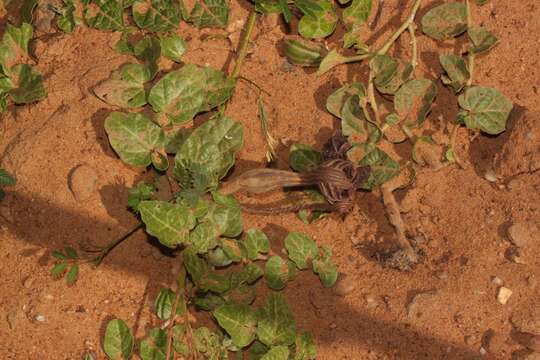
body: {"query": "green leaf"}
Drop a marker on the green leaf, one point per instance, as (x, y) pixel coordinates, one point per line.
(383, 168)
(457, 73)
(302, 52)
(303, 157)
(27, 10)
(208, 153)
(482, 39)
(226, 215)
(67, 21)
(413, 101)
(208, 302)
(58, 270)
(154, 347)
(305, 347)
(284, 7)
(209, 344)
(195, 266)
(140, 193)
(14, 45)
(217, 257)
(332, 59)
(72, 274)
(389, 73)
(104, 14)
(180, 342)
(325, 268)
(164, 304)
(253, 272)
(71, 253)
(277, 353)
(58, 255)
(276, 325)
(445, 21)
(28, 85)
(239, 321)
(485, 109)
(134, 137)
(276, 273)
(232, 249)
(210, 13)
(319, 20)
(336, 101)
(148, 50)
(357, 13)
(118, 341)
(257, 350)
(184, 93)
(301, 249)
(157, 15)
(173, 47)
(169, 223)
(204, 237)
(125, 88)
(6, 179)
(256, 242)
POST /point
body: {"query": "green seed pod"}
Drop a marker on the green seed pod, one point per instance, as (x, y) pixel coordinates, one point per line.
(303, 52)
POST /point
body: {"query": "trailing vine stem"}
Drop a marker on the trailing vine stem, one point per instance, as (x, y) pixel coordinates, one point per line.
(414, 56)
(96, 261)
(471, 53)
(242, 52)
(388, 44)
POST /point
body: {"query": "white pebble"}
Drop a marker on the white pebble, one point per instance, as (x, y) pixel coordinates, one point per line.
(40, 318)
(497, 281)
(490, 176)
(504, 295)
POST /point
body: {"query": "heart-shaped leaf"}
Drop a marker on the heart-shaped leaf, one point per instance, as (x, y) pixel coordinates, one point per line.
(413, 101)
(276, 273)
(125, 88)
(239, 321)
(256, 242)
(210, 13)
(208, 153)
(482, 39)
(169, 223)
(305, 347)
(14, 45)
(157, 15)
(383, 167)
(184, 93)
(445, 21)
(303, 157)
(319, 20)
(485, 109)
(173, 47)
(457, 73)
(389, 73)
(104, 14)
(118, 341)
(325, 268)
(27, 84)
(301, 249)
(276, 324)
(134, 137)
(357, 13)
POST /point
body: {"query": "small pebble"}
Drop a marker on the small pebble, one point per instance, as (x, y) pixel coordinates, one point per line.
(490, 176)
(40, 318)
(333, 326)
(82, 182)
(496, 281)
(345, 285)
(471, 340)
(483, 351)
(28, 282)
(504, 295)
(355, 240)
(371, 301)
(521, 234)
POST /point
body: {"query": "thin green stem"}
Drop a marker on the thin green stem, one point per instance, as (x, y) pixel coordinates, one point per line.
(351, 59)
(178, 298)
(372, 100)
(105, 251)
(388, 44)
(414, 56)
(242, 52)
(471, 54)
